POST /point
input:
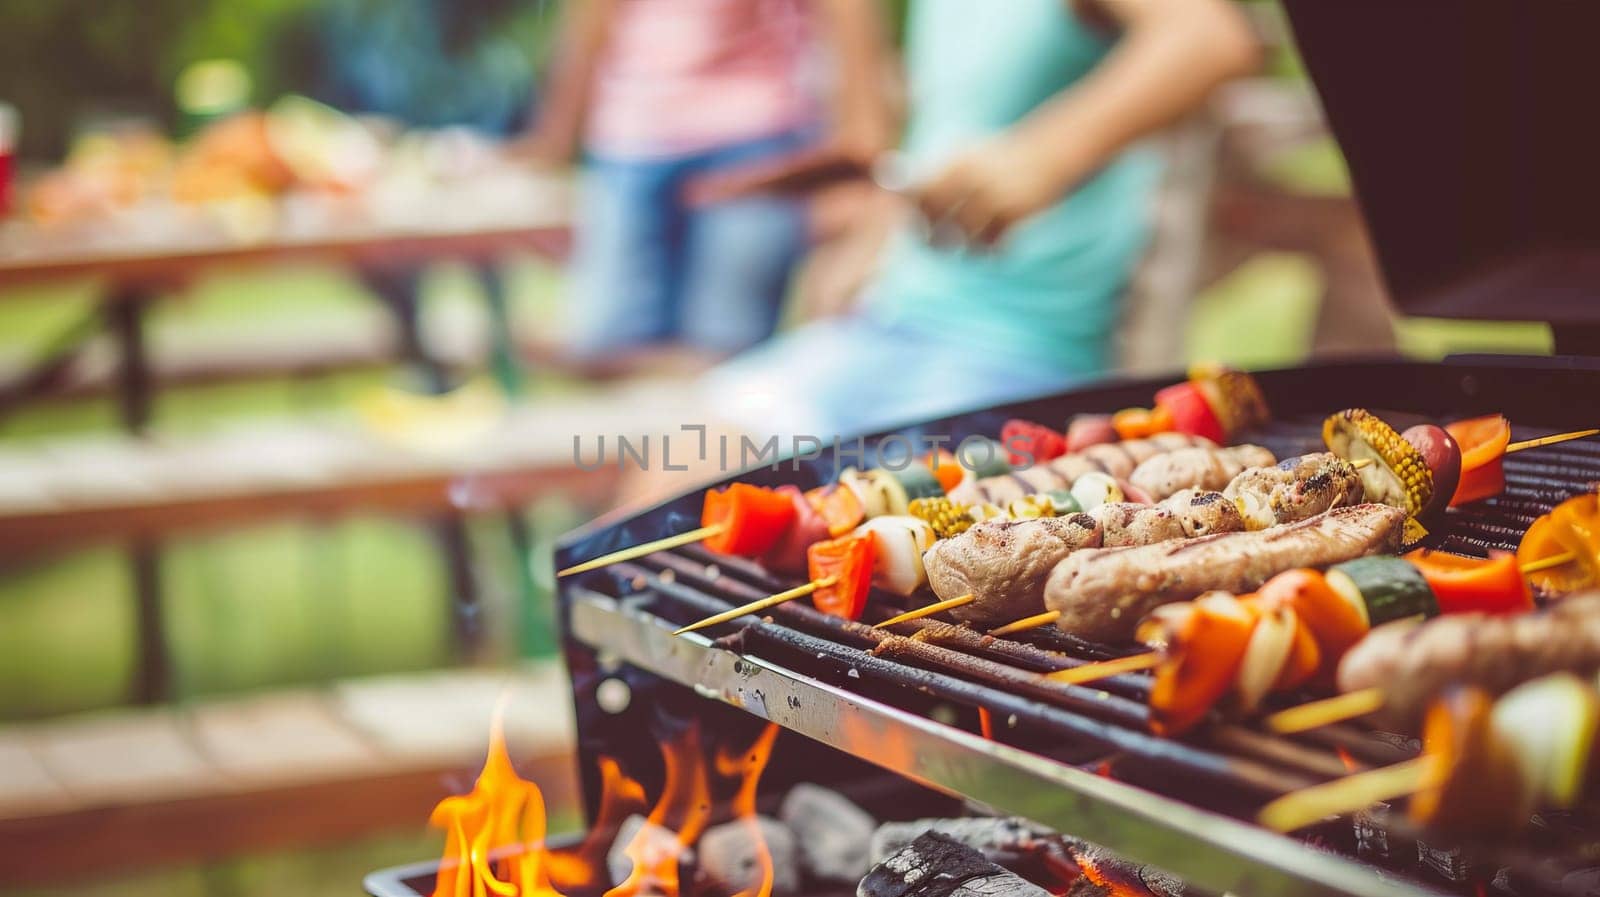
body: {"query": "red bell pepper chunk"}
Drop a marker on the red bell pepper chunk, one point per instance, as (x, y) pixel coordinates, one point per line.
(752, 519)
(1190, 412)
(1028, 442)
(846, 564)
(1493, 585)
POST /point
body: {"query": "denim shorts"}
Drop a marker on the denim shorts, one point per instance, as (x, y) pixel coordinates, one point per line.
(648, 269)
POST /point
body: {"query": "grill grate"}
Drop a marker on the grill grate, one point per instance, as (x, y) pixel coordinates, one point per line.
(1231, 768)
(1089, 767)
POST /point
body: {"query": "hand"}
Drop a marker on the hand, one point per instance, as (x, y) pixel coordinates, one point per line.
(987, 190)
(851, 224)
(544, 148)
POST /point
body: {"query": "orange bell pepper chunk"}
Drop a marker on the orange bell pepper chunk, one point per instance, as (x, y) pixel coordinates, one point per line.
(1483, 442)
(1332, 621)
(1573, 530)
(1493, 585)
(1206, 641)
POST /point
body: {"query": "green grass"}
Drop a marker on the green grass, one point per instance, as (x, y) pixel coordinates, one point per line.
(284, 603)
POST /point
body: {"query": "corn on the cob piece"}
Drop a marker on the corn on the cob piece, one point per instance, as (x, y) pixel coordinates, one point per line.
(948, 518)
(1399, 477)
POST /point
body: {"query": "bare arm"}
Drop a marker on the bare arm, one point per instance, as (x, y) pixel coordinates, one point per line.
(584, 30)
(1172, 54)
(864, 124)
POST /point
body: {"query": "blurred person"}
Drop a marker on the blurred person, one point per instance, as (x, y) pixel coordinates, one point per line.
(1023, 121)
(658, 92)
(426, 63)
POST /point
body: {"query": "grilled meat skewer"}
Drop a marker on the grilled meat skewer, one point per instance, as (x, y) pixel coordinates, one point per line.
(1414, 662)
(1118, 459)
(1103, 593)
(1202, 467)
(1006, 562)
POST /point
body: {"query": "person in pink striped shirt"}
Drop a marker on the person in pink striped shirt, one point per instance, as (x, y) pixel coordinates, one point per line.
(658, 93)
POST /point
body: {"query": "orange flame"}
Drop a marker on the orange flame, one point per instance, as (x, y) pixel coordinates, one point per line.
(620, 797)
(744, 801)
(495, 834)
(1349, 761)
(502, 813)
(686, 801)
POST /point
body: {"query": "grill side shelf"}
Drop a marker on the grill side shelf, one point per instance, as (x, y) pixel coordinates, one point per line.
(1211, 851)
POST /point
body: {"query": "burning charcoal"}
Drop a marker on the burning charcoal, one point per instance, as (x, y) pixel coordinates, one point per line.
(729, 858)
(1000, 840)
(834, 834)
(936, 865)
(657, 844)
(1106, 873)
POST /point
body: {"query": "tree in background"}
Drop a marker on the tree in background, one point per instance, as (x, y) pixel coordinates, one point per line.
(65, 62)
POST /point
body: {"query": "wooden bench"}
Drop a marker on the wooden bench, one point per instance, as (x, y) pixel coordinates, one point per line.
(115, 792)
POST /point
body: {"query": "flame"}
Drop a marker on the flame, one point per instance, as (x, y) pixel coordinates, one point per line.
(685, 801)
(1349, 761)
(620, 797)
(985, 724)
(495, 834)
(754, 761)
(503, 811)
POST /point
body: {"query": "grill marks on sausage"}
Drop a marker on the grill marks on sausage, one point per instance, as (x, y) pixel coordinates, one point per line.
(1102, 593)
(1413, 662)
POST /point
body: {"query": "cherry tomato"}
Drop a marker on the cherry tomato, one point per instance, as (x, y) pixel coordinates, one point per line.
(1028, 442)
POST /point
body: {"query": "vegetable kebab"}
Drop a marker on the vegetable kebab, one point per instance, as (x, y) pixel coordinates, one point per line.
(894, 552)
(1487, 763)
(1007, 567)
(1400, 666)
(1484, 442)
(1234, 650)
(1213, 405)
(748, 520)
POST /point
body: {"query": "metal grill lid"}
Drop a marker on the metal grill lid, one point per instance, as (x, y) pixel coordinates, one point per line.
(1470, 135)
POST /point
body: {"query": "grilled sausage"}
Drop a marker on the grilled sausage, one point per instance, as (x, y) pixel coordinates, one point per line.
(1115, 458)
(1102, 593)
(1005, 563)
(1210, 469)
(1414, 662)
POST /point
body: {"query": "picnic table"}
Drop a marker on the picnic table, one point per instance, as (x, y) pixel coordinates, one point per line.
(142, 254)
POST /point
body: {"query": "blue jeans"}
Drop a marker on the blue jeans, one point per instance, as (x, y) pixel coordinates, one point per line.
(650, 269)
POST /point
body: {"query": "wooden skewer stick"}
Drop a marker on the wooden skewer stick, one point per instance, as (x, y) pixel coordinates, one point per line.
(1026, 623)
(1551, 562)
(930, 610)
(639, 551)
(1337, 709)
(1104, 669)
(799, 591)
(1298, 809)
(1548, 440)
(1316, 714)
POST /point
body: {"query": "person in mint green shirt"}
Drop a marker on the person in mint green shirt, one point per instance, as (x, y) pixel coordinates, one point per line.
(1022, 140)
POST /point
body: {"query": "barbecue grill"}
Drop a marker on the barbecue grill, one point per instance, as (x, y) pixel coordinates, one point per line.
(902, 721)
